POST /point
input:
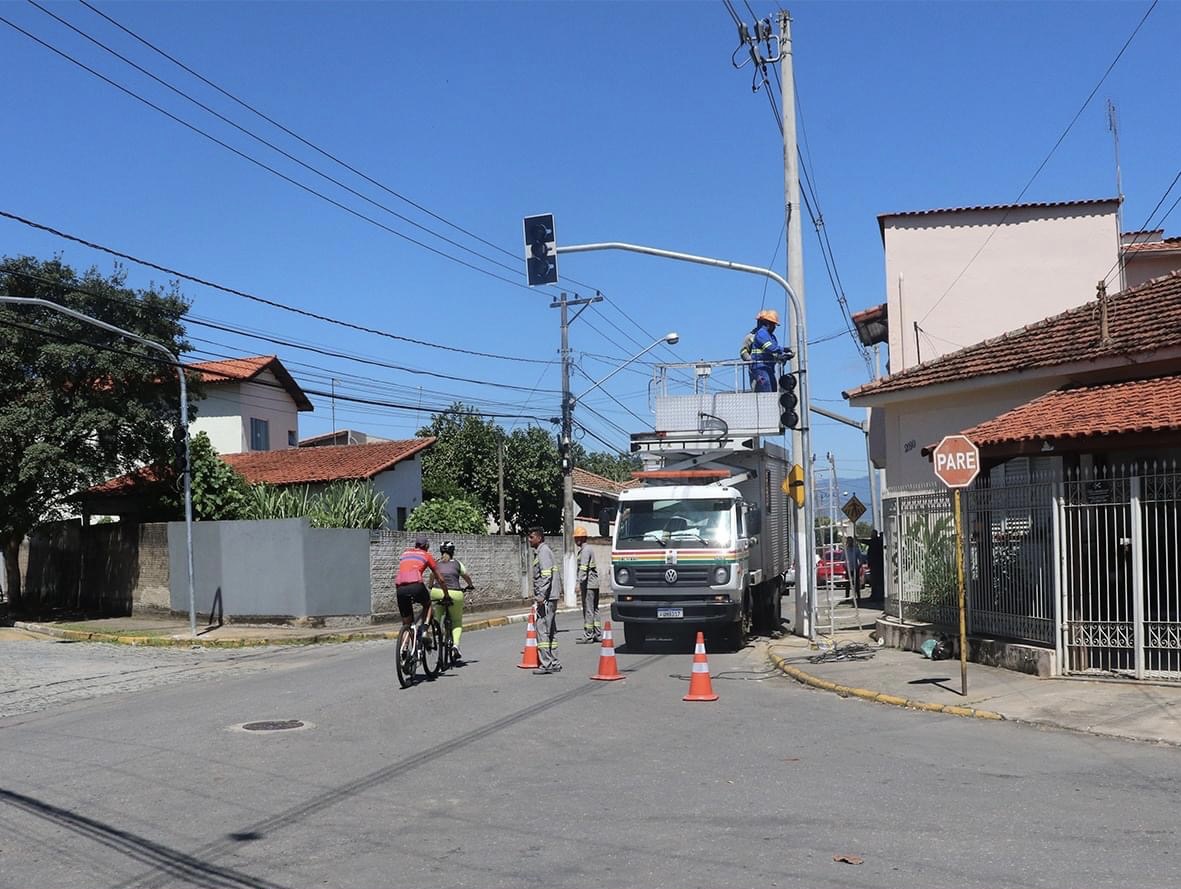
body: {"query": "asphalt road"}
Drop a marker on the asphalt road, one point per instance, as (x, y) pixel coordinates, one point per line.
(494, 777)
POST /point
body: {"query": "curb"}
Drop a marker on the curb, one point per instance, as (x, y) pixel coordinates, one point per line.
(189, 642)
(867, 694)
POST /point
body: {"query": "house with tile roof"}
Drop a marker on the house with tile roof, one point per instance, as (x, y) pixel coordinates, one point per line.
(393, 467)
(1097, 378)
(250, 404)
(593, 492)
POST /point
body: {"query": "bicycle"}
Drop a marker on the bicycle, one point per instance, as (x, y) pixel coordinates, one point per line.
(415, 644)
(447, 657)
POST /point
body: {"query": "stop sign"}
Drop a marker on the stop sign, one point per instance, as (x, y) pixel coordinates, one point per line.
(956, 460)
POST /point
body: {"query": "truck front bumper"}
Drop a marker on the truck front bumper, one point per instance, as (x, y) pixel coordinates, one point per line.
(645, 611)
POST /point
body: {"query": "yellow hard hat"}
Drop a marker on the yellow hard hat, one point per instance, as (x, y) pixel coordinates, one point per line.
(579, 532)
(768, 315)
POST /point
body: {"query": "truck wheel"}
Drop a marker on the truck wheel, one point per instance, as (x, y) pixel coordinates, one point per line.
(734, 636)
(634, 636)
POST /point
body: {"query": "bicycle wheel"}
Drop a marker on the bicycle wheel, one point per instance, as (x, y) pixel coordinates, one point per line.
(432, 651)
(407, 657)
(447, 654)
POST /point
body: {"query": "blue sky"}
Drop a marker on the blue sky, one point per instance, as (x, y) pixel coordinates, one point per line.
(626, 120)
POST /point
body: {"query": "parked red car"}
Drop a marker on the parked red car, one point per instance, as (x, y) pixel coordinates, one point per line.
(831, 564)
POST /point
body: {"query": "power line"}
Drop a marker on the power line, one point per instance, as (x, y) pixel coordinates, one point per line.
(304, 141)
(1146, 226)
(261, 164)
(260, 299)
(350, 398)
(1045, 160)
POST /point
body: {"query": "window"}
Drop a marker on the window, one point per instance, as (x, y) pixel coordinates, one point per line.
(401, 518)
(292, 439)
(260, 435)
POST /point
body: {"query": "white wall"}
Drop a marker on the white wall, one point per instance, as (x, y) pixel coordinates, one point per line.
(917, 423)
(1040, 262)
(225, 413)
(219, 415)
(403, 486)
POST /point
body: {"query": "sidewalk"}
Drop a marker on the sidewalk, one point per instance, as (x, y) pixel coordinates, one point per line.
(171, 631)
(1119, 709)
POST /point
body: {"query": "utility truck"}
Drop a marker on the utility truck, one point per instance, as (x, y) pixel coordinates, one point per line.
(704, 542)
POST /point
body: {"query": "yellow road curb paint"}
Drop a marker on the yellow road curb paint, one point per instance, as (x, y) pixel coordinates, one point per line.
(880, 697)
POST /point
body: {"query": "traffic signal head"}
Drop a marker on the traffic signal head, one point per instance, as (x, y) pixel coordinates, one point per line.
(788, 418)
(179, 451)
(541, 258)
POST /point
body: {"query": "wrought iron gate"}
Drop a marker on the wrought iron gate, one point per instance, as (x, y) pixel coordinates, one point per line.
(1121, 595)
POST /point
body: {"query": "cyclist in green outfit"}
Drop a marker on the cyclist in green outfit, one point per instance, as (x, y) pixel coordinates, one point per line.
(450, 570)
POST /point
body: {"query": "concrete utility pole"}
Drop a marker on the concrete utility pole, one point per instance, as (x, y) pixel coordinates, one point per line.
(564, 446)
(500, 480)
(184, 421)
(805, 517)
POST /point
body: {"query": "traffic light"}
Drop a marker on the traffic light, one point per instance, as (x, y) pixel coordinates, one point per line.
(788, 418)
(541, 257)
(179, 452)
(564, 455)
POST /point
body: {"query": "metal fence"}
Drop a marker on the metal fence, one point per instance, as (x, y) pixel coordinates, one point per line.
(1086, 562)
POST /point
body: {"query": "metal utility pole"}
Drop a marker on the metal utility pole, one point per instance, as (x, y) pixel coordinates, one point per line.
(564, 446)
(805, 517)
(183, 428)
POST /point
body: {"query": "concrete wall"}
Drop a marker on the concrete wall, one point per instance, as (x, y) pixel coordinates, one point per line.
(1146, 265)
(277, 569)
(497, 565)
(119, 568)
(1039, 262)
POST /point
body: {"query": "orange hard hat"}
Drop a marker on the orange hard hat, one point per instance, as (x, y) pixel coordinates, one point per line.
(768, 315)
(579, 532)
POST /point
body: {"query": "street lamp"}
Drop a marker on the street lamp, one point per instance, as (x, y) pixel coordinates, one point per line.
(568, 402)
(184, 420)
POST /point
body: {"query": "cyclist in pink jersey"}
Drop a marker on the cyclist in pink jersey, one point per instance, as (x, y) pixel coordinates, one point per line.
(408, 582)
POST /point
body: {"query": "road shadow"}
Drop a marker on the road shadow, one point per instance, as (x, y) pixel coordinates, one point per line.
(937, 681)
(177, 865)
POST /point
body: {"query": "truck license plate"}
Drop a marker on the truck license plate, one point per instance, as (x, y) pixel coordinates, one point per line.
(670, 612)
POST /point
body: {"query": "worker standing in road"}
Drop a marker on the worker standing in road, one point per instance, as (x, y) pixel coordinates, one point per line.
(545, 597)
(588, 583)
(761, 350)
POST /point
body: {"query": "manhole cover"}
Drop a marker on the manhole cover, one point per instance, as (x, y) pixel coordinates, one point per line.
(273, 725)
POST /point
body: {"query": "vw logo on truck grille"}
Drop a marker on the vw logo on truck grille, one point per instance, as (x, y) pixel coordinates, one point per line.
(670, 576)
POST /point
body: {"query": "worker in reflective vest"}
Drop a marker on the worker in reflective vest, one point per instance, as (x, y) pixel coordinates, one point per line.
(545, 597)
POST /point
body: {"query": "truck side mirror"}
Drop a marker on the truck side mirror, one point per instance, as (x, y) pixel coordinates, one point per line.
(606, 517)
(754, 523)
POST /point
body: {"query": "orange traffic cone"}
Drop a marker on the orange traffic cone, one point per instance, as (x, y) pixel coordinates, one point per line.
(529, 658)
(608, 671)
(700, 688)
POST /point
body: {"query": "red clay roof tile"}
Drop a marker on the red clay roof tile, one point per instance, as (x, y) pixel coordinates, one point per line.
(1151, 405)
(327, 464)
(242, 370)
(1141, 320)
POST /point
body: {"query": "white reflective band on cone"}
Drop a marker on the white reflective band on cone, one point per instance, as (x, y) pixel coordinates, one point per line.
(700, 668)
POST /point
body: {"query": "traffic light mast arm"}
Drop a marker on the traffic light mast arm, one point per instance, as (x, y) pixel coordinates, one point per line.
(801, 362)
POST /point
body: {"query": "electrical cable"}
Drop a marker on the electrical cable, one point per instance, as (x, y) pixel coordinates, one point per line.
(1004, 216)
(261, 164)
(304, 141)
(260, 299)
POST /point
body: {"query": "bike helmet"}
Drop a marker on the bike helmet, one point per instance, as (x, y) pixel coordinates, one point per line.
(447, 548)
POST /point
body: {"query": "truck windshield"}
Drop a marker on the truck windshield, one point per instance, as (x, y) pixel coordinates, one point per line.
(676, 523)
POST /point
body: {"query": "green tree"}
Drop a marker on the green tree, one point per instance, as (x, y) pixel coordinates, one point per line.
(452, 515)
(219, 492)
(77, 404)
(533, 479)
(462, 463)
(617, 467)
